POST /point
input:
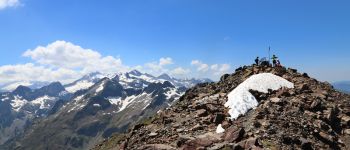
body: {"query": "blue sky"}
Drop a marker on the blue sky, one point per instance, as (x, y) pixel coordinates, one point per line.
(312, 36)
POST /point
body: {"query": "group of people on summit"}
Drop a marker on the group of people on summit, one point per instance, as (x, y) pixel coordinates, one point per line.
(264, 62)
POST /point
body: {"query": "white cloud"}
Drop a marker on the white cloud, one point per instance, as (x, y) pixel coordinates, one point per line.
(31, 72)
(165, 61)
(214, 67)
(8, 3)
(224, 68)
(179, 71)
(158, 67)
(219, 69)
(59, 61)
(202, 67)
(62, 54)
(213, 71)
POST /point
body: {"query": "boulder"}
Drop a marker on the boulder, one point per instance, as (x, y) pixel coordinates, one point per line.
(199, 142)
(197, 127)
(347, 131)
(275, 100)
(346, 120)
(201, 113)
(234, 135)
(152, 134)
(316, 105)
(305, 144)
(219, 118)
(249, 143)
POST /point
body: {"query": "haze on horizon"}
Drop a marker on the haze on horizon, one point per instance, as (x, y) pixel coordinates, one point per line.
(62, 40)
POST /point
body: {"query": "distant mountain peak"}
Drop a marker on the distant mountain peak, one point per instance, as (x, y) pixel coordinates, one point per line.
(135, 72)
(21, 90)
(164, 76)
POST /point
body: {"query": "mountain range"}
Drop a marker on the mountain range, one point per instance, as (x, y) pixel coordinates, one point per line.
(343, 86)
(80, 114)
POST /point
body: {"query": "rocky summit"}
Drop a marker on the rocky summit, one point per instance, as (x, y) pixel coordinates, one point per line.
(312, 115)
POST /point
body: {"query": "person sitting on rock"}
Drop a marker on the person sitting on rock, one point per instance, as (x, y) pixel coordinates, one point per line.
(274, 60)
(278, 63)
(257, 61)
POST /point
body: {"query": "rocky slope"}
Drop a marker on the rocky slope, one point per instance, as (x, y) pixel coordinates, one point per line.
(312, 115)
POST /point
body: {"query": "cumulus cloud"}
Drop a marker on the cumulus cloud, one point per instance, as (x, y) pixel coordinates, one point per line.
(8, 3)
(202, 67)
(62, 54)
(165, 61)
(59, 61)
(179, 71)
(158, 67)
(212, 71)
(30, 72)
(220, 69)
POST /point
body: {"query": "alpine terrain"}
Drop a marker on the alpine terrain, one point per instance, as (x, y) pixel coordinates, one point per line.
(257, 107)
(81, 114)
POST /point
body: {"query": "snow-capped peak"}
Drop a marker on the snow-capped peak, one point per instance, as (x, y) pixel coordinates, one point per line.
(135, 72)
(240, 100)
(85, 82)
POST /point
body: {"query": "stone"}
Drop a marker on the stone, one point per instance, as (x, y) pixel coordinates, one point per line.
(319, 95)
(346, 119)
(316, 104)
(304, 87)
(212, 108)
(347, 131)
(197, 127)
(250, 143)
(305, 144)
(180, 130)
(157, 147)
(256, 148)
(305, 75)
(199, 142)
(219, 118)
(275, 100)
(331, 115)
(201, 113)
(153, 134)
(224, 77)
(325, 137)
(233, 134)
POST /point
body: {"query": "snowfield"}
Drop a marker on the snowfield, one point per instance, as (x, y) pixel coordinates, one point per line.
(79, 86)
(43, 102)
(18, 103)
(240, 100)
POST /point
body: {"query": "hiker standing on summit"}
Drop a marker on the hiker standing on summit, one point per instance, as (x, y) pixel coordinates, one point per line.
(257, 61)
(274, 60)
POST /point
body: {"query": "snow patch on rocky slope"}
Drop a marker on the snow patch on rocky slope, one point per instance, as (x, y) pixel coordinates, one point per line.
(240, 100)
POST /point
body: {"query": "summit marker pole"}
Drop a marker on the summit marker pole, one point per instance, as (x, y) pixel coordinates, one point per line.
(269, 55)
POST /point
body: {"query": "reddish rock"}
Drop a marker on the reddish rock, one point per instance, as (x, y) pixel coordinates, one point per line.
(233, 134)
(249, 143)
(201, 113)
(199, 142)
